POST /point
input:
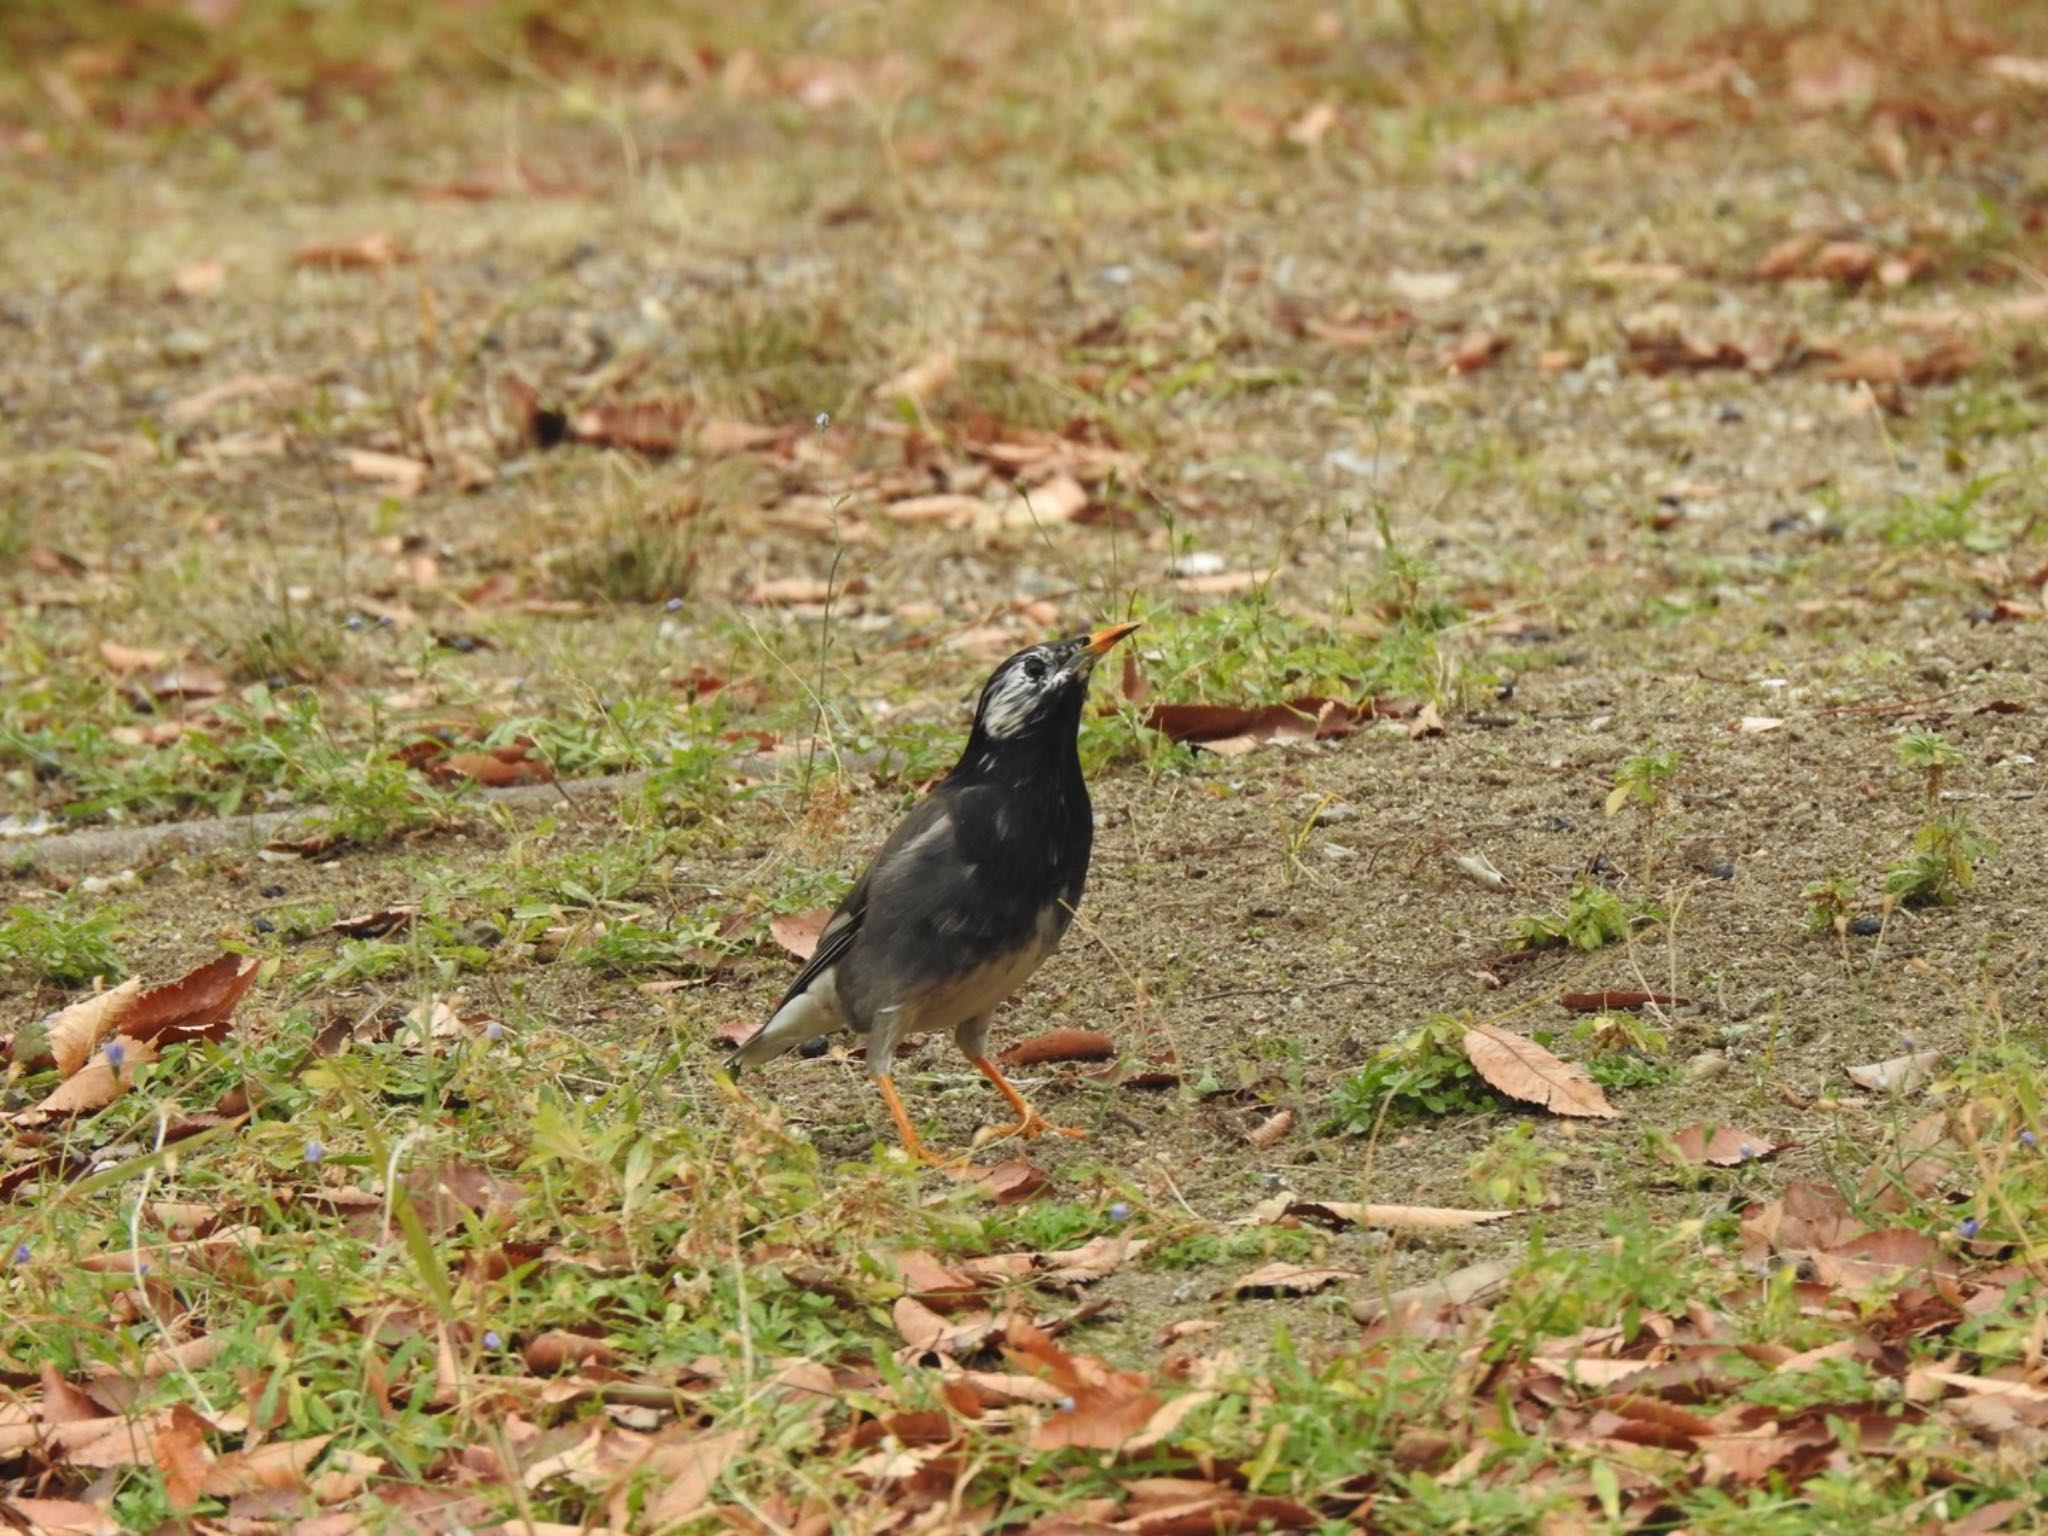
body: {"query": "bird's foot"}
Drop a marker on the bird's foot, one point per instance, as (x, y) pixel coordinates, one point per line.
(1033, 1126)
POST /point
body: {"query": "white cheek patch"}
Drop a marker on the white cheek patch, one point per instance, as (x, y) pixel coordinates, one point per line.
(1010, 708)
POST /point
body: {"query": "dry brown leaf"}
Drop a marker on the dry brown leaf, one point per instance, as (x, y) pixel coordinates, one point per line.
(691, 1463)
(1307, 131)
(495, 769)
(374, 925)
(1221, 583)
(1522, 1069)
(398, 474)
(1788, 258)
(1899, 1074)
(93, 1087)
(1096, 1259)
(1058, 1045)
(62, 1517)
(1481, 349)
(279, 1466)
(1271, 1130)
(1059, 499)
(1427, 722)
(365, 253)
(798, 932)
(1393, 1218)
(719, 437)
(1722, 1146)
(199, 279)
(1283, 1279)
(1008, 1183)
(1756, 725)
(123, 658)
(178, 1449)
(1102, 1409)
(926, 1331)
(796, 591)
(1616, 1001)
(945, 509)
(186, 680)
(1231, 729)
(2016, 69)
(932, 375)
(196, 1004)
(76, 1032)
(558, 1350)
(193, 408)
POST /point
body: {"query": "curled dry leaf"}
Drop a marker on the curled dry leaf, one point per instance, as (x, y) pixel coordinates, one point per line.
(558, 1350)
(1058, 1045)
(1096, 1259)
(1270, 1131)
(1481, 349)
(1756, 725)
(1008, 1183)
(798, 932)
(395, 472)
(93, 1087)
(1616, 1002)
(1522, 1069)
(280, 1466)
(126, 658)
(925, 1331)
(930, 376)
(365, 253)
(1722, 1146)
(1899, 1074)
(1283, 1279)
(63, 1517)
(1393, 1218)
(75, 1033)
(196, 1005)
(374, 925)
(1102, 1409)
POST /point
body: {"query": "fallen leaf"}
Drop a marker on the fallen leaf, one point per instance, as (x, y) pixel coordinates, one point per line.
(186, 680)
(1461, 1287)
(195, 1005)
(73, 1034)
(691, 1465)
(402, 476)
(1522, 1069)
(178, 1449)
(495, 769)
(1612, 1001)
(124, 658)
(1481, 349)
(374, 925)
(1756, 725)
(1008, 1183)
(1270, 1131)
(1845, 261)
(793, 591)
(1102, 1408)
(1393, 1218)
(1899, 1074)
(718, 437)
(798, 932)
(278, 1466)
(1787, 258)
(926, 1331)
(1059, 499)
(1307, 131)
(932, 375)
(1096, 1259)
(1427, 722)
(1423, 287)
(199, 279)
(93, 1087)
(370, 252)
(2017, 69)
(1722, 1146)
(1284, 1279)
(1058, 1045)
(1229, 729)
(1221, 583)
(61, 1517)
(558, 1350)
(945, 510)
(275, 387)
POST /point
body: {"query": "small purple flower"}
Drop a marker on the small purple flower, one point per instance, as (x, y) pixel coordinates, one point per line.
(1745, 1151)
(495, 1030)
(674, 605)
(353, 621)
(142, 1267)
(1969, 1228)
(315, 1151)
(21, 1253)
(2026, 1138)
(116, 1054)
(1065, 1405)
(824, 420)
(492, 1341)
(1120, 1212)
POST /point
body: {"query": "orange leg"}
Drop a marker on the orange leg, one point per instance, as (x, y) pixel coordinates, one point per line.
(1030, 1123)
(912, 1143)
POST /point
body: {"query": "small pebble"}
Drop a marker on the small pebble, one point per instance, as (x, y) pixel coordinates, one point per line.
(1722, 871)
(1866, 925)
(262, 925)
(270, 892)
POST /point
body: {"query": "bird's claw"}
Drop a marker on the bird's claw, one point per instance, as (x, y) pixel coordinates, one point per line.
(1035, 1125)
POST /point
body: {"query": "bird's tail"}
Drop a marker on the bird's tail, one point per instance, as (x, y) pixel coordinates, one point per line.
(803, 1017)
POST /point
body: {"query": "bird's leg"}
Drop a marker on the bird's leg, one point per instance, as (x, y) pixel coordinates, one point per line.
(1030, 1123)
(912, 1143)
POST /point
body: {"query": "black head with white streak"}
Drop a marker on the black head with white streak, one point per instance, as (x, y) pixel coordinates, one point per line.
(1033, 701)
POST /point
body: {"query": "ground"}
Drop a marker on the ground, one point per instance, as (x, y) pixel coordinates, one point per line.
(691, 410)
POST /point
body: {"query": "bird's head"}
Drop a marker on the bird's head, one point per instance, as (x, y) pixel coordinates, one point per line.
(1037, 693)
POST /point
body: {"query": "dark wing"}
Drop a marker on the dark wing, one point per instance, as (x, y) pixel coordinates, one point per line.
(837, 938)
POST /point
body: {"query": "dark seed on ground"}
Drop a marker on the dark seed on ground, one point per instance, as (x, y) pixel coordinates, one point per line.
(262, 925)
(1559, 824)
(272, 892)
(1866, 925)
(1722, 871)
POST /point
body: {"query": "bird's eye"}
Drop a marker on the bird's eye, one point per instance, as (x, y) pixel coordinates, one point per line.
(1034, 668)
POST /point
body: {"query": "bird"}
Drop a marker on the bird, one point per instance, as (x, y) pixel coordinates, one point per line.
(968, 895)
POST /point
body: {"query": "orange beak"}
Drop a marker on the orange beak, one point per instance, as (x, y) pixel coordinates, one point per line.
(1102, 639)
